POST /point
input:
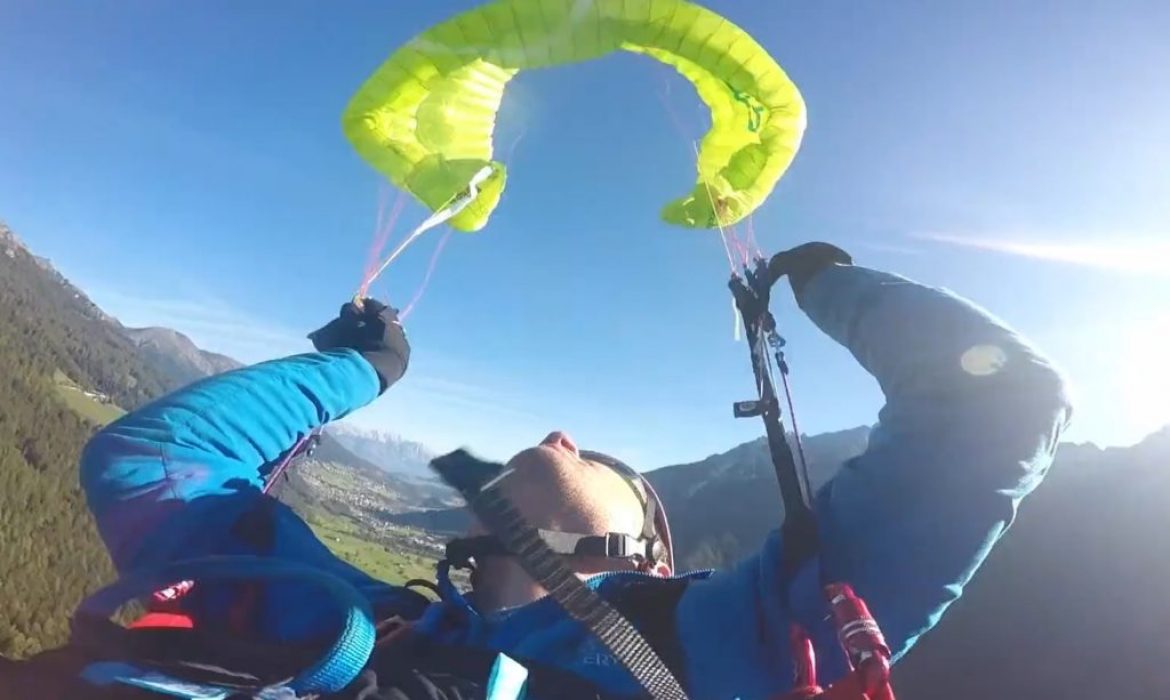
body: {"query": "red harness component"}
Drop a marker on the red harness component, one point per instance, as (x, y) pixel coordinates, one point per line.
(863, 643)
(165, 609)
(164, 619)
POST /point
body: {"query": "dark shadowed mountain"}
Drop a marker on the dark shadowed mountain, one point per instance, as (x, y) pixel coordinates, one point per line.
(1072, 603)
(721, 507)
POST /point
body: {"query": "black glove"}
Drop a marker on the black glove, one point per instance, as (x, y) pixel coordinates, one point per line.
(803, 262)
(374, 331)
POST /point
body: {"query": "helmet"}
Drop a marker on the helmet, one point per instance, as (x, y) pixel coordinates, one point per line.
(651, 547)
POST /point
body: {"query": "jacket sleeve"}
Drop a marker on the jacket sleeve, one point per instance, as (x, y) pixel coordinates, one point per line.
(170, 479)
(969, 428)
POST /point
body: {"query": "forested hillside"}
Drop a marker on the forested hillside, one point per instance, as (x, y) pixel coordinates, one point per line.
(51, 554)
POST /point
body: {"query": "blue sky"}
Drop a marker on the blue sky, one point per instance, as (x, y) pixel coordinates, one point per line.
(184, 163)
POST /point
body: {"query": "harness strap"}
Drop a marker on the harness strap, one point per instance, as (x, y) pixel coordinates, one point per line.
(335, 669)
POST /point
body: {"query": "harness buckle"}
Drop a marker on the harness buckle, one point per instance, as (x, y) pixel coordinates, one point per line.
(616, 546)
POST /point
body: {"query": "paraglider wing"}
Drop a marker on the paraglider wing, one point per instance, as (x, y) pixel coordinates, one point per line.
(425, 118)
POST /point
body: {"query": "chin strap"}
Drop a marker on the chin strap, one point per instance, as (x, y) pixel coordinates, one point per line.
(463, 552)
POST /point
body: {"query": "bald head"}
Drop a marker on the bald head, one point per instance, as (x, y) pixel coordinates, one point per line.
(555, 488)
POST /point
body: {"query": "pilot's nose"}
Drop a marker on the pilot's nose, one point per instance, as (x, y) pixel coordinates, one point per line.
(561, 440)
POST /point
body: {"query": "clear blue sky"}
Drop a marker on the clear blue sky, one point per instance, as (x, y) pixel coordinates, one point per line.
(184, 163)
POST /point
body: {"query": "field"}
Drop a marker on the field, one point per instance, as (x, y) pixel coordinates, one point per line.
(83, 404)
(382, 560)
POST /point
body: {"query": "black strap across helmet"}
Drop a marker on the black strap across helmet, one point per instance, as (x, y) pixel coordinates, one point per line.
(650, 547)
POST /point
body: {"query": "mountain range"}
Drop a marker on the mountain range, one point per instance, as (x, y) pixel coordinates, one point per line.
(1068, 606)
(390, 452)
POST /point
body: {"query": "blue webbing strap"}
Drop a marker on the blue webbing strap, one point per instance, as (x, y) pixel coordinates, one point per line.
(337, 667)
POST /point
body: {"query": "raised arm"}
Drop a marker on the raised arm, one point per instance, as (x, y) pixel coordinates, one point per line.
(970, 427)
(210, 445)
(173, 480)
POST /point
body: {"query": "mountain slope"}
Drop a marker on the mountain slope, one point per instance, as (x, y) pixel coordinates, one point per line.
(737, 495)
(55, 322)
(175, 355)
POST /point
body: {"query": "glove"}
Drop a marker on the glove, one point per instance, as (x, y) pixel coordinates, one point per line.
(802, 263)
(373, 329)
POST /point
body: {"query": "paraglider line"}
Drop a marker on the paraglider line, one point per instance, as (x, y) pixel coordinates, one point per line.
(718, 216)
(426, 278)
(381, 236)
(410, 238)
(726, 249)
(382, 196)
(795, 429)
(762, 350)
(676, 120)
(516, 142)
(456, 204)
(739, 246)
(378, 239)
(751, 234)
(663, 96)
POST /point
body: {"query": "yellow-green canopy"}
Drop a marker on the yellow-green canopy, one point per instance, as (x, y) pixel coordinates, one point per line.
(425, 117)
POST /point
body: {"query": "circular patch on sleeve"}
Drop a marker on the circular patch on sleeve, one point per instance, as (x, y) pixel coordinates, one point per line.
(983, 360)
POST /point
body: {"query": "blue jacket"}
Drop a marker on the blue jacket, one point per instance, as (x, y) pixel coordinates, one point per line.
(969, 428)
